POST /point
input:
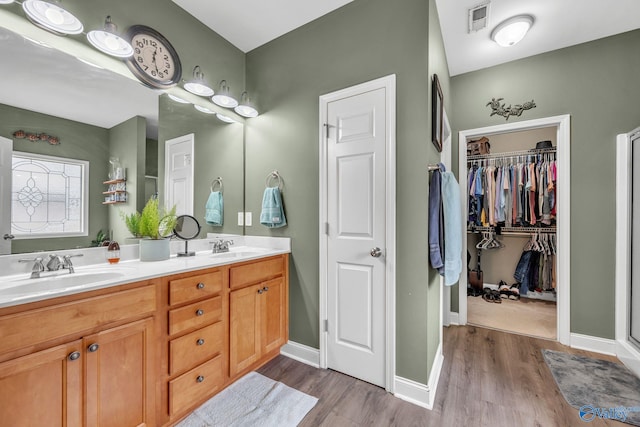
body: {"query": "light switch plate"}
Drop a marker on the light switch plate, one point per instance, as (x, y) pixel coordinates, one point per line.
(240, 218)
(248, 219)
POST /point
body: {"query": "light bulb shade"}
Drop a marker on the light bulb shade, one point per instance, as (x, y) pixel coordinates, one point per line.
(224, 118)
(51, 17)
(198, 85)
(223, 97)
(178, 99)
(6, 1)
(246, 108)
(511, 31)
(203, 109)
(109, 42)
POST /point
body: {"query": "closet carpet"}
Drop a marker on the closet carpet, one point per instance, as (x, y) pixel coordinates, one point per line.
(489, 378)
(531, 317)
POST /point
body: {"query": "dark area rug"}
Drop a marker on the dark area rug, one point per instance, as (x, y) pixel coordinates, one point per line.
(598, 388)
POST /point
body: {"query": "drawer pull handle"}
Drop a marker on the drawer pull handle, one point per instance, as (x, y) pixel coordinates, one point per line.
(200, 342)
(200, 378)
(200, 285)
(93, 348)
(199, 312)
(260, 291)
(74, 356)
(266, 288)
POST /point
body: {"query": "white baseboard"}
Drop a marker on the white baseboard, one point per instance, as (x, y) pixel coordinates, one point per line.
(418, 393)
(301, 353)
(595, 344)
(454, 318)
(629, 355)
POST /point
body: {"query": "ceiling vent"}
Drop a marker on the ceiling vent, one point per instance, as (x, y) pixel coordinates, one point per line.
(478, 17)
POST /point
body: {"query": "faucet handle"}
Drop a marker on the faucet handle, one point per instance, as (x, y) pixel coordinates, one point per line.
(67, 261)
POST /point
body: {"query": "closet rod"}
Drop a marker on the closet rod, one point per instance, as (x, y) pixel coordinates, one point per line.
(432, 168)
(532, 152)
(512, 230)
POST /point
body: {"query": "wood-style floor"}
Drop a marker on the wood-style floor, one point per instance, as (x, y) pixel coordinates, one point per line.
(489, 378)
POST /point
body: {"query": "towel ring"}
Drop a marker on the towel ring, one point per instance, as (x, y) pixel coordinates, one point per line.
(217, 181)
(275, 175)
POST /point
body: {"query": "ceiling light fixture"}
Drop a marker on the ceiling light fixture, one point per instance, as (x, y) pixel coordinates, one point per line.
(203, 109)
(223, 97)
(178, 99)
(6, 1)
(198, 85)
(511, 31)
(50, 16)
(246, 108)
(108, 41)
(224, 118)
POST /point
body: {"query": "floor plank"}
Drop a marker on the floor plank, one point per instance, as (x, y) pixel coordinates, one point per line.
(489, 378)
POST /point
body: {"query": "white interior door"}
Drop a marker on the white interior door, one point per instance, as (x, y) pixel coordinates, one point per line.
(356, 282)
(179, 174)
(634, 310)
(6, 150)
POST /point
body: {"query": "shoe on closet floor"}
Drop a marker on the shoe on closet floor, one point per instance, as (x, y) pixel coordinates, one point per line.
(504, 290)
(514, 292)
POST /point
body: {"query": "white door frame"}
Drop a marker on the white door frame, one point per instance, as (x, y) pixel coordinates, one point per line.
(389, 84)
(563, 125)
(190, 138)
(6, 149)
(445, 291)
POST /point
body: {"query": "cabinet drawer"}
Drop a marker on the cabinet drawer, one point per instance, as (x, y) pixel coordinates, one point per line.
(194, 348)
(192, 386)
(195, 287)
(41, 325)
(247, 274)
(195, 315)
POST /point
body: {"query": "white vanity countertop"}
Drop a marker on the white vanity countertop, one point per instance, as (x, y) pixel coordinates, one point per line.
(18, 289)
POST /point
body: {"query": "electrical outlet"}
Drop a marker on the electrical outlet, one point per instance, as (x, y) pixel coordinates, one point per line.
(241, 218)
(248, 219)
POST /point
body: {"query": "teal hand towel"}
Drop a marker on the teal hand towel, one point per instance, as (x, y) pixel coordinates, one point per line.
(272, 214)
(214, 209)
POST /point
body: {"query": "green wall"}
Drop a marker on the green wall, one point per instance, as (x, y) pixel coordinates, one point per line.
(597, 84)
(361, 41)
(77, 141)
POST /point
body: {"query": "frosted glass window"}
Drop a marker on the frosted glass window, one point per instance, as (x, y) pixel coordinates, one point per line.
(48, 196)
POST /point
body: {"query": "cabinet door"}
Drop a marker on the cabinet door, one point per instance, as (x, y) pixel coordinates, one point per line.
(43, 389)
(244, 330)
(120, 376)
(272, 315)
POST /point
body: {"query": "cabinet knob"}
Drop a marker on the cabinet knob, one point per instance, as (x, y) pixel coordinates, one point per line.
(200, 285)
(74, 356)
(260, 291)
(93, 348)
(200, 342)
(200, 378)
(266, 288)
(199, 312)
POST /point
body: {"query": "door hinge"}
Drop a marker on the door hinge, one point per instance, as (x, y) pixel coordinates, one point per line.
(326, 228)
(326, 325)
(326, 127)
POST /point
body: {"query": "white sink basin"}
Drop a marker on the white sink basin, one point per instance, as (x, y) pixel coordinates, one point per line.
(241, 252)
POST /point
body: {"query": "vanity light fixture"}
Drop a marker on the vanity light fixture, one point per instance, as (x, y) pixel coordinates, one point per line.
(49, 16)
(6, 1)
(203, 109)
(178, 99)
(223, 97)
(198, 85)
(246, 108)
(109, 41)
(512, 30)
(224, 118)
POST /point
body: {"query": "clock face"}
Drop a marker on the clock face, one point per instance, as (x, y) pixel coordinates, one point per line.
(154, 62)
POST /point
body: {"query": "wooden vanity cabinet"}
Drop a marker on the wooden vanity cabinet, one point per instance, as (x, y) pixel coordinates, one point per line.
(258, 312)
(87, 361)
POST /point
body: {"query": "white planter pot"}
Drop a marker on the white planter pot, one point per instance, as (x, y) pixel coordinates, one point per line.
(155, 250)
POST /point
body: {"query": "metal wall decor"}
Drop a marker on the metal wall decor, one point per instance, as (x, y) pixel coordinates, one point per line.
(512, 110)
(36, 137)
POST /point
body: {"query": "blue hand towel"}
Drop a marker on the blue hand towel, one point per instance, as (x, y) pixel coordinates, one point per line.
(214, 209)
(272, 214)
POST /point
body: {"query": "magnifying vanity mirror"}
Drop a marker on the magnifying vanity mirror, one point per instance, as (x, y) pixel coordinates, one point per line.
(187, 228)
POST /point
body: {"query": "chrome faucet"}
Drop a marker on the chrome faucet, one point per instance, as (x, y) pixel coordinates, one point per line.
(220, 246)
(37, 268)
(55, 262)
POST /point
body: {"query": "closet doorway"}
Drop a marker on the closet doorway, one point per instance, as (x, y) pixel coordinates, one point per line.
(519, 237)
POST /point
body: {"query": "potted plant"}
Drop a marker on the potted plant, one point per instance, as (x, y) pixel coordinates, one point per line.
(153, 226)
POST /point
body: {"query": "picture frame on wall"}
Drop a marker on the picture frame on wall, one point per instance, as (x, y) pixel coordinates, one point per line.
(437, 113)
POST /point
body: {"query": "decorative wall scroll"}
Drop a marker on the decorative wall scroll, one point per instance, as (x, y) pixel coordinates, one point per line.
(36, 137)
(512, 110)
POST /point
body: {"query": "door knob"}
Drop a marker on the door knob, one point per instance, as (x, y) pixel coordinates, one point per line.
(8, 236)
(376, 252)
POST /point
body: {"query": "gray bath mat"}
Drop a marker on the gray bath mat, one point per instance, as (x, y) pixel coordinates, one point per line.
(598, 388)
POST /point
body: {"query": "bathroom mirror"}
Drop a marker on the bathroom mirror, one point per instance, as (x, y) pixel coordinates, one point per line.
(187, 228)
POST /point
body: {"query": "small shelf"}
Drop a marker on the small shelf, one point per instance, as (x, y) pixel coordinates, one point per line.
(116, 192)
(114, 181)
(114, 202)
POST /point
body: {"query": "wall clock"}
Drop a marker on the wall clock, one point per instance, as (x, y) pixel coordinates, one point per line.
(154, 62)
